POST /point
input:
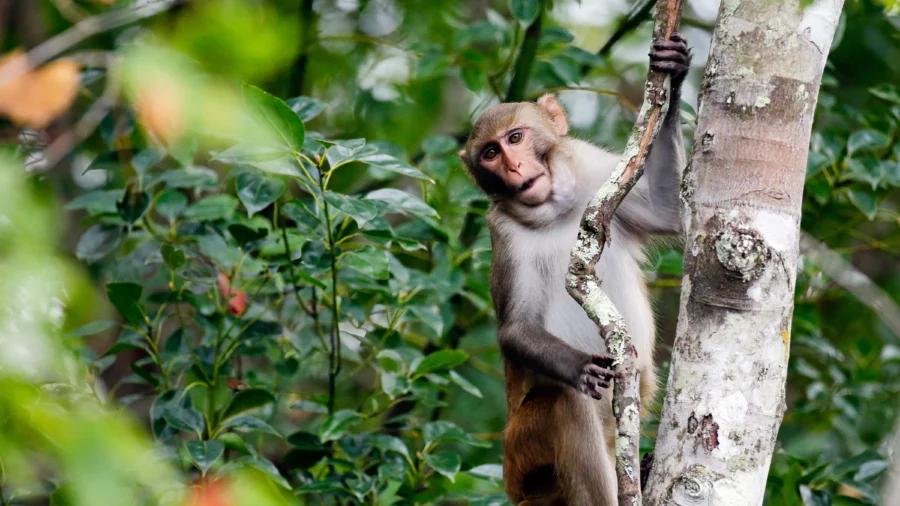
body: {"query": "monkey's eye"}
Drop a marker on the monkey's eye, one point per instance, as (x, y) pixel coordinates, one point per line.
(490, 153)
(515, 137)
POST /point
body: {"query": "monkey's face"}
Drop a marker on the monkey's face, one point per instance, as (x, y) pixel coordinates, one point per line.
(512, 157)
(509, 150)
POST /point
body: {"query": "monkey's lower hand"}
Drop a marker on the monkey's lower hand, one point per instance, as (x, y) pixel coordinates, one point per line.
(596, 375)
(672, 56)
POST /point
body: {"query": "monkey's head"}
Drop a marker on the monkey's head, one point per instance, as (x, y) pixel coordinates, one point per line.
(508, 150)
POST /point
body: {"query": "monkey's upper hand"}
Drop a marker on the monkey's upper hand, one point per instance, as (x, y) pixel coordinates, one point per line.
(672, 56)
(596, 375)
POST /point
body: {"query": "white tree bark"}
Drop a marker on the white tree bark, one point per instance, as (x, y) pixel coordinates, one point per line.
(743, 190)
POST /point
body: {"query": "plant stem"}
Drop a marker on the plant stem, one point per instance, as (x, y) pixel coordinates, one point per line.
(525, 59)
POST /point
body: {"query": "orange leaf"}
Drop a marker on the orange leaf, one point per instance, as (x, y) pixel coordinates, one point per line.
(237, 299)
(209, 493)
(159, 107)
(38, 96)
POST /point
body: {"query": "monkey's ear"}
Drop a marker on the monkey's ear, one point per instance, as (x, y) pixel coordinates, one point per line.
(549, 104)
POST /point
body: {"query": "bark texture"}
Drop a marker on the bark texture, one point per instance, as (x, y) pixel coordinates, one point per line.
(583, 284)
(742, 191)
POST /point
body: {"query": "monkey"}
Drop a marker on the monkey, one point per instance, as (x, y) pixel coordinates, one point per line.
(557, 442)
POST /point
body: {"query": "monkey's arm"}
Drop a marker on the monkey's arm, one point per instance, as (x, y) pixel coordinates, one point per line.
(653, 205)
(534, 347)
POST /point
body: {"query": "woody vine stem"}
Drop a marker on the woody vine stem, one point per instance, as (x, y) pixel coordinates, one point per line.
(582, 282)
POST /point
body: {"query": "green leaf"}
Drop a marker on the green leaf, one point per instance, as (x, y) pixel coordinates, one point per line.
(133, 205)
(341, 151)
(361, 211)
(186, 419)
(306, 107)
(525, 10)
(205, 453)
(439, 145)
(445, 463)
(96, 202)
(235, 442)
(870, 470)
(443, 431)
(865, 202)
(98, 242)
(250, 423)
(91, 329)
(215, 207)
(440, 361)
(865, 170)
(430, 317)
(195, 178)
(814, 497)
(390, 443)
(336, 425)
(257, 191)
(170, 204)
(888, 92)
(390, 360)
(141, 371)
(394, 385)
(266, 159)
(867, 140)
(464, 384)
(173, 257)
(393, 164)
(246, 400)
(431, 64)
(286, 126)
(244, 234)
(490, 471)
(369, 261)
(126, 297)
(147, 159)
(402, 202)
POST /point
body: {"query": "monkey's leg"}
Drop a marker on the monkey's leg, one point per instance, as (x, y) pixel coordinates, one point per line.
(585, 464)
(529, 470)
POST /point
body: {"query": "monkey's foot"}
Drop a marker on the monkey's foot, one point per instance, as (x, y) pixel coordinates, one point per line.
(672, 56)
(596, 375)
(646, 467)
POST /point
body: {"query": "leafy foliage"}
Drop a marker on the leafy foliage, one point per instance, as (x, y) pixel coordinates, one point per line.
(293, 293)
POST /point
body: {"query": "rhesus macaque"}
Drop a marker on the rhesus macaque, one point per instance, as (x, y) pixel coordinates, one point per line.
(558, 437)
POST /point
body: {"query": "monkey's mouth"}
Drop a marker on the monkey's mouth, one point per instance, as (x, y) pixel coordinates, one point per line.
(524, 187)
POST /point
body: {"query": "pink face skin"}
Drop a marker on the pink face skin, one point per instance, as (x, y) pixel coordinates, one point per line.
(512, 157)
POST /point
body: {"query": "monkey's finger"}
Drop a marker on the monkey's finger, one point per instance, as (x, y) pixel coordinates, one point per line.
(669, 66)
(677, 37)
(670, 45)
(602, 359)
(668, 55)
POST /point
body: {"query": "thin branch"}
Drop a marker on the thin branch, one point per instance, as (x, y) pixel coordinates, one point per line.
(309, 23)
(639, 13)
(624, 100)
(525, 60)
(81, 31)
(582, 282)
(852, 280)
(85, 126)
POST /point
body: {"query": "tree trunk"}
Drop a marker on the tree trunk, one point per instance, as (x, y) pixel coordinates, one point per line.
(743, 191)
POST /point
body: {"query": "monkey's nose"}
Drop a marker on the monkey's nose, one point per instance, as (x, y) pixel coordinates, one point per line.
(519, 165)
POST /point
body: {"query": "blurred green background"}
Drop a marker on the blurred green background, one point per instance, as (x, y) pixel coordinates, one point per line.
(241, 263)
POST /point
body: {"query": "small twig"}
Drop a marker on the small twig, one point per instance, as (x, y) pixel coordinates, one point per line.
(639, 12)
(852, 280)
(85, 126)
(582, 282)
(525, 60)
(69, 10)
(82, 30)
(625, 102)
